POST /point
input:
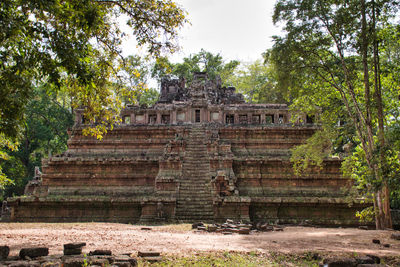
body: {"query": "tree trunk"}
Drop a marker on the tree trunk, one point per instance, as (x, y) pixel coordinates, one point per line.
(385, 195)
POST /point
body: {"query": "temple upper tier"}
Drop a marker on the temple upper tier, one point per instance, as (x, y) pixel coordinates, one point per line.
(203, 101)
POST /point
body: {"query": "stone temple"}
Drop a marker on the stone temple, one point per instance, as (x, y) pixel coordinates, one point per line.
(200, 153)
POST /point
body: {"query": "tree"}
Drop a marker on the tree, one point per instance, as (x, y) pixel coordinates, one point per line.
(330, 61)
(44, 132)
(204, 61)
(72, 46)
(73, 43)
(257, 82)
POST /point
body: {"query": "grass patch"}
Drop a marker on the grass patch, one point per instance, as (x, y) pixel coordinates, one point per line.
(237, 259)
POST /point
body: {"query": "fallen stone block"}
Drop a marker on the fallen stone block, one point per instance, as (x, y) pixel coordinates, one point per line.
(33, 252)
(4, 252)
(375, 258)
(24, 264)
(211, 228)
(72, 251)
(124, 258)
(74, 245)
(340, 262)
(195, 225)
(100, 252)
(395, 236)
(99, 261)
(148, 254)
(74, 262)
(244, 231)
(365, 260)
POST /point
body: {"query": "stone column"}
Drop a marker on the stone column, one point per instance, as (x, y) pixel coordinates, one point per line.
(133, 118)
(173, 117)
(235, 118)
(262, 118)
(276, 118)
(158, 118)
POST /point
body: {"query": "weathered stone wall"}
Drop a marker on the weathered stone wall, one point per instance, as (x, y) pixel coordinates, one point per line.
(77, 209)
(135, 174)
(264, 173)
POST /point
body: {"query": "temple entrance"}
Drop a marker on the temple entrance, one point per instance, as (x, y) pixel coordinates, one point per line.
(197, 115)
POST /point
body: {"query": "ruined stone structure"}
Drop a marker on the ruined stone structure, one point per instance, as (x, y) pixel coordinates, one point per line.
(200, 153)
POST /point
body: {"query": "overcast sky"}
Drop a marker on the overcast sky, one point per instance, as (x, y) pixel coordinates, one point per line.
(237, 29)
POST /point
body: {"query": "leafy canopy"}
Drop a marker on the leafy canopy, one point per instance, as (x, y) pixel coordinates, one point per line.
(74, 44)
(213, 65)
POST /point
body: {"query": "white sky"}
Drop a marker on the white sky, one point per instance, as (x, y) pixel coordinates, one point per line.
(237, 29)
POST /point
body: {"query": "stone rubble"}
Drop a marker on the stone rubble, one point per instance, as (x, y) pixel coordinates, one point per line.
(231, 226)
(38, 256)
(395, 236)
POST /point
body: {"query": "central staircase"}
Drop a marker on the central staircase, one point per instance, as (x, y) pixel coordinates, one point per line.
(194, 202)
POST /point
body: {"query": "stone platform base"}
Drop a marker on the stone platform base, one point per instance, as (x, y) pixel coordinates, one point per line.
(310, 211)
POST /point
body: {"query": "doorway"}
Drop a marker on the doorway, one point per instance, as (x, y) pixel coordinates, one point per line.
(197, 115)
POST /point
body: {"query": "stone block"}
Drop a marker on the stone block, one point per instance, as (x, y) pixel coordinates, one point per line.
(340, 262)
(244, 231)
(74, 262)
(104, 252)
(33, 252)
(72, 251)
(25, 264)
(148, 254)
(395, 236)
(4, 251)
(74, 245)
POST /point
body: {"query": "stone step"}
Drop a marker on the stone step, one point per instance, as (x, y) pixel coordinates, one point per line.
(190, 188)
(194, 199)
(191, 206)
(191, 219)
(188, 194)
(195, 210)
(189, 215)
(187, 197)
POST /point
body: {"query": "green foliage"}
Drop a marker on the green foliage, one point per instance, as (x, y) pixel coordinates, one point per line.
(149, 97)
(213, 65)
(45, 132)
(312, 153)
(337, 59)
(236, 259)
(73, 45)
(366, 215)
(257, 82)
(6, 144)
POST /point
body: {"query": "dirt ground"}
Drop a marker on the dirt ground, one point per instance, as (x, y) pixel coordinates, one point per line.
(181, 240)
